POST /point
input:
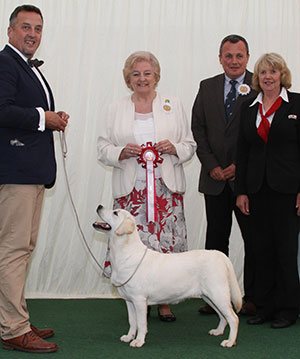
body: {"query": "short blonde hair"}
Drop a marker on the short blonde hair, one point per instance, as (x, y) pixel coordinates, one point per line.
(275, 61)
(138, 57)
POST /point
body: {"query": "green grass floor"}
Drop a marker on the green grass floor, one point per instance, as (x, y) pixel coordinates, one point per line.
(91, 328)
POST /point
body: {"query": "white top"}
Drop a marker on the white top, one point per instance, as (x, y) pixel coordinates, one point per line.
(170, 123)
(283, 95)
(144, 131)
(40, 110)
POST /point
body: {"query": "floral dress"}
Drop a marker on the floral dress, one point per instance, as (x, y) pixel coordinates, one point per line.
(168, 234)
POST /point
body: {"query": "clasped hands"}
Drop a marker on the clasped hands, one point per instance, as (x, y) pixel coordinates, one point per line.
(220, 174)
(56, 120)
(228, 173)
(133, 150)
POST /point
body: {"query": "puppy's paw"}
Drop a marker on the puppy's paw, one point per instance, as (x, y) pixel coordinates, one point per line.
(227, 343)
(126, 338)
(137, 343)
(216, 332)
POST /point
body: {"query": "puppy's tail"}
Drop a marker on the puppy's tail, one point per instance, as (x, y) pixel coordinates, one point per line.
(235, 292)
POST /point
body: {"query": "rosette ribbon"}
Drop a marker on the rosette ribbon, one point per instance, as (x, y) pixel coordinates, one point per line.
(149, 159)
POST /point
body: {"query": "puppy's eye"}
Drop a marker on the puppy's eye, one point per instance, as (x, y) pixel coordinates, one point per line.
(115, 213)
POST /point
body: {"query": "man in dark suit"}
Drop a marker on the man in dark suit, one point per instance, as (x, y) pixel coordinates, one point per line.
(27, 166)
(215, 126)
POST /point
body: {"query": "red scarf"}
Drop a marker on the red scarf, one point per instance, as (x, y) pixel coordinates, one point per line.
(264, 126)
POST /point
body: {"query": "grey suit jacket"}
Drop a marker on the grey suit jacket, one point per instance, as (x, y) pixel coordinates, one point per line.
(216, 138)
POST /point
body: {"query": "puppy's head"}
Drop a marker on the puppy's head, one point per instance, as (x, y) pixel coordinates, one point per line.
(116, 221)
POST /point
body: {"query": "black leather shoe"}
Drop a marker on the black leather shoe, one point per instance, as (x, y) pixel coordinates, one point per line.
(282, 323)
(166, 318)
(257, 319)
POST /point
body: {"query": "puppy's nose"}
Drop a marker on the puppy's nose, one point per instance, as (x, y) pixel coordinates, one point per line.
(99, 207)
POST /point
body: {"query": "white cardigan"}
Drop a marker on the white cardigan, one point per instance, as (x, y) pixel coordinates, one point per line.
(171, 125)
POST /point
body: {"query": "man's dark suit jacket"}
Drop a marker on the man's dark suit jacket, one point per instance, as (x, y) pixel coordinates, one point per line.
(26, 154)
(279, 161)
(216, 139)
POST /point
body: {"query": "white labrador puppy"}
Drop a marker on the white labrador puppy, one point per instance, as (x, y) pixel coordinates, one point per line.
(145, 277)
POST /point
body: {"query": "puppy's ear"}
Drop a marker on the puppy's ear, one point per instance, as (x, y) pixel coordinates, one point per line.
(126, 227)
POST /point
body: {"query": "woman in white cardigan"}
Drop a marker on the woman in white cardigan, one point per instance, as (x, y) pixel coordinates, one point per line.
(136, 120)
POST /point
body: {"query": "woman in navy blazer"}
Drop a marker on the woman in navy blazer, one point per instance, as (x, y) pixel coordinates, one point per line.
(268, 189)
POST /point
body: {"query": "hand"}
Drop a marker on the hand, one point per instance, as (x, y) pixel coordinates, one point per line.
(229, 172)
(56, 121)
(298, 204)
(166, 147)
(63, 115)
(217, 174)
(130, 150)
(242, 203)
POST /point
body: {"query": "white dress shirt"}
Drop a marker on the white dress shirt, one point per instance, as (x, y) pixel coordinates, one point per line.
(283, 95)
(40, 110)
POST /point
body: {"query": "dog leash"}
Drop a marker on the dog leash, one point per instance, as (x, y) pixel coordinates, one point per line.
(64, 150)
(137, 267)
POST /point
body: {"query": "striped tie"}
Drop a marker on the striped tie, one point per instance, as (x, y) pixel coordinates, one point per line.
(230, 100)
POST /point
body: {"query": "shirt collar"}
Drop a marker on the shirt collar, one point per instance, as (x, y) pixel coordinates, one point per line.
(18, 52)
(240, 79)
(283, 95)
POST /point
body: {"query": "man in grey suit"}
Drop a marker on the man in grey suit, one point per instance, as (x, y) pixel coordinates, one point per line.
(215, 126)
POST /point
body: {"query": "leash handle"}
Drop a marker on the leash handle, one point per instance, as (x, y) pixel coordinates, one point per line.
(63, 143)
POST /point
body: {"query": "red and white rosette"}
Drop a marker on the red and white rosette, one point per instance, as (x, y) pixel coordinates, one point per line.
(149, 159)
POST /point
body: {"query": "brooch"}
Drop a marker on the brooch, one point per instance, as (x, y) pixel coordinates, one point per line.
(292, 117)
(167, 107)
(244, 89)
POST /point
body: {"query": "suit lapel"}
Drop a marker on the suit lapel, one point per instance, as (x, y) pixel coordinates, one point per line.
(29, 71)
(252, 122)
(220, 96)
(241, 98)
(49, 90)
(281, 113)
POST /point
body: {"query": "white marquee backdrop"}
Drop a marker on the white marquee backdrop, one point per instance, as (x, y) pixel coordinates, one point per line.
(85, 44)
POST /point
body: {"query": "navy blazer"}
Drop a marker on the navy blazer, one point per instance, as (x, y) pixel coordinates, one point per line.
(278, 161)
(26, 154)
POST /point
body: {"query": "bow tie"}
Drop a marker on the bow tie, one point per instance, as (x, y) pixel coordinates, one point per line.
(35, 62)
